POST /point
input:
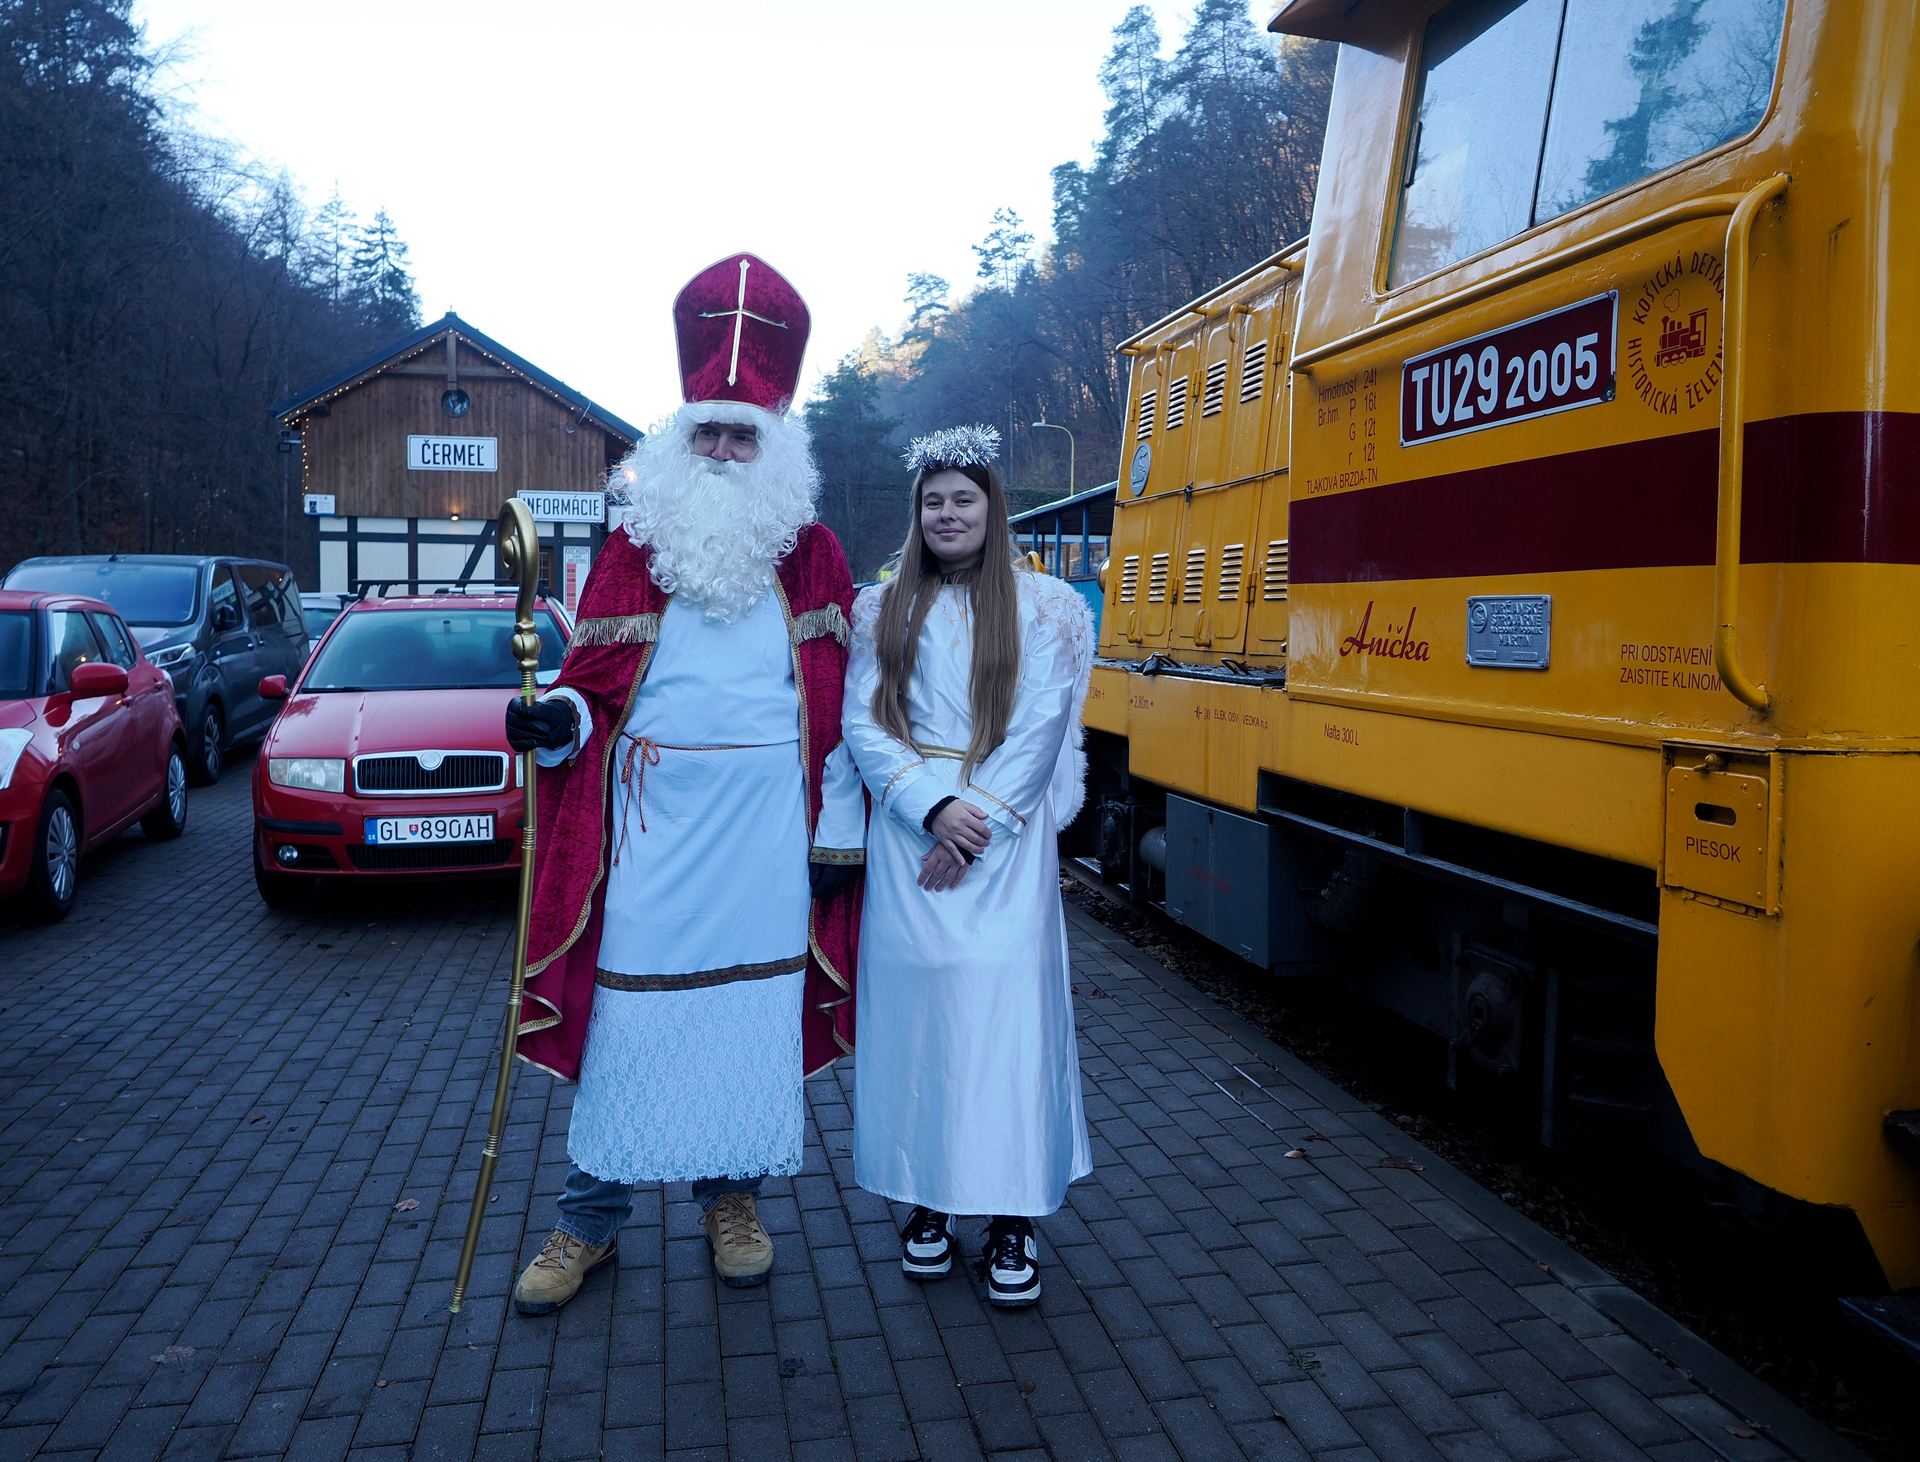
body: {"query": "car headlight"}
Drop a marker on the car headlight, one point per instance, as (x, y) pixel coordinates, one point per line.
(173, 657)
(308, 773)
(12, 743)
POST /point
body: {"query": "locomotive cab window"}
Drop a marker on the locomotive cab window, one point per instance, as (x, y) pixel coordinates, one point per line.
(1529, 108)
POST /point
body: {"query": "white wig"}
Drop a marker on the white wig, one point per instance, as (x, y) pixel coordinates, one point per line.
(717, 528)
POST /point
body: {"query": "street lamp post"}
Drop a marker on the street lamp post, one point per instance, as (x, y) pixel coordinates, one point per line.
(1055, 426)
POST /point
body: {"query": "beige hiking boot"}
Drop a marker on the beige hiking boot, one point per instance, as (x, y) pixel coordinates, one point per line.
(742, 1252)
(555, 1277)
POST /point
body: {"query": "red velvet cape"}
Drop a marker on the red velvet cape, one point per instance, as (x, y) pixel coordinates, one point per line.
(620, 610)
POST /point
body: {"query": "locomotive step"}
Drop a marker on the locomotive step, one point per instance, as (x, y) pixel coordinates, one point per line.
(1892, 1319)
(1625, 1048)
(1609, 1106)
(1903, 1129)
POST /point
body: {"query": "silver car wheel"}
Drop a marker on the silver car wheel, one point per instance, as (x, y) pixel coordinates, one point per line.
(211, 759)
(63, 854)
(176, 787)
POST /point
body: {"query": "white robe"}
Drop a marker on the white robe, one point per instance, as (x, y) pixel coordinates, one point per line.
(967, 1081)
(693, 1064)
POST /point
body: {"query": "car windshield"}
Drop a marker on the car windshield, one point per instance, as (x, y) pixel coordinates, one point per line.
(16, 655)
(426, 649)
(144, 593)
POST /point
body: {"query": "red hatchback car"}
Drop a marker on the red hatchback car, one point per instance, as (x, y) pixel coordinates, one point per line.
(390, 755)
(90, 743)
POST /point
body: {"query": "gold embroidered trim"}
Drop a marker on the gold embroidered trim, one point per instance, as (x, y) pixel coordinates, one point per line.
(1010, 810)
(624, 629)
(827, 1007)
(897, 776)
(815, 624)
(703, 979)
(843, 856)
(945, 753)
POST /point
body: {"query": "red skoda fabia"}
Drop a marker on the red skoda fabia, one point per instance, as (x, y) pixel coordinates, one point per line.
(390, 756)
(90, 743)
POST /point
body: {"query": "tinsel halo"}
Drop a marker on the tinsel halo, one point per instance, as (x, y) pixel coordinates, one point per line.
(953, 446)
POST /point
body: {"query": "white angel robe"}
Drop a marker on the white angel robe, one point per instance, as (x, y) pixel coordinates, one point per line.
(693, 1066)
(967, 1082)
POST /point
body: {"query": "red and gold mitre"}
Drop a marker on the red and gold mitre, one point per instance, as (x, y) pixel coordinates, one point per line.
(742, 330)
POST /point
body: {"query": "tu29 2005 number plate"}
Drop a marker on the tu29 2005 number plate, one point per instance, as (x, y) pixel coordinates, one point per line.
(1553, 362)
(1510, 631)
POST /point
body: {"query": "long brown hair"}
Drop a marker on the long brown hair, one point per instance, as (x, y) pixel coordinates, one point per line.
(994, 600)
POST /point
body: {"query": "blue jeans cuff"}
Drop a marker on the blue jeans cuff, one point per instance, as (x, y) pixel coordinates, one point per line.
(573, 1230)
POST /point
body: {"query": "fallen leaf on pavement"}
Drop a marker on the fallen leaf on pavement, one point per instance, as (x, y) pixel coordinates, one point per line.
(406, 1205)
(173, 1354)
(1745, 1432)
(1027, 1388)
(1405, 1164)
(1296, 1152)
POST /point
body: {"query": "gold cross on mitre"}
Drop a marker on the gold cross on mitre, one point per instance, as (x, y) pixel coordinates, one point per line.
(741, 314)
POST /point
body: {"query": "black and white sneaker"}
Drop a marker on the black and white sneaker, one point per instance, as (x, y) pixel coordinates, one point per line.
(926, 1244)
(1010, 1262)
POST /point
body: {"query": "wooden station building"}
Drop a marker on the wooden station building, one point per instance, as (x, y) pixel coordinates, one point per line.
(407, 458)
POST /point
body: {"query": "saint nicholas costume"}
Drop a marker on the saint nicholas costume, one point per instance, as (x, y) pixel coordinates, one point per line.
(678, 967)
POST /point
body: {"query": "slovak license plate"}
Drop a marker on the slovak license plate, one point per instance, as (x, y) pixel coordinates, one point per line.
(476, 827)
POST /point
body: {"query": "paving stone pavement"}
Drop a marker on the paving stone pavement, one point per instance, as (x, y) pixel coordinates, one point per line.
(237, 1149)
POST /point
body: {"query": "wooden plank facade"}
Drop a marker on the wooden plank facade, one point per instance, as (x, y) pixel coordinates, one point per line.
(387, 515)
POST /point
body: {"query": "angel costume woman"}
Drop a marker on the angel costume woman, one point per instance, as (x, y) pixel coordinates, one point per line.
(967, 673)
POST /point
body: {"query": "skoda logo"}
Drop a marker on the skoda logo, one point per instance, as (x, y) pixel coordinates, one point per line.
(430, 760)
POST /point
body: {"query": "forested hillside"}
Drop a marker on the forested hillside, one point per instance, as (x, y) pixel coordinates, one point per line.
(1205, 165)
(157, 296)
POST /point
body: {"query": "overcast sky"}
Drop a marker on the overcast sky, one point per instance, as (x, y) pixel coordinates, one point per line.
(560, 169)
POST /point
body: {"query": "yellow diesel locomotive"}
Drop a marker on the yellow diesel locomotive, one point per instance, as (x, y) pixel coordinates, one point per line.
(1514, 595)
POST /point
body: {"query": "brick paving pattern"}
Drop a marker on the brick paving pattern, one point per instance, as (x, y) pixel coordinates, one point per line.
(237, 1148)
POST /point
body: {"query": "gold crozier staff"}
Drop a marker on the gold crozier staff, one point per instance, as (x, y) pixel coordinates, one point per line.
(520, 555)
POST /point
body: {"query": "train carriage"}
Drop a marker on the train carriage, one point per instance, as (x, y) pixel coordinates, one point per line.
(1511, 593)
(1068, 539)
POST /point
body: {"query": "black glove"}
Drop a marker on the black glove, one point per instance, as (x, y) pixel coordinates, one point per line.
(830, 879)
(542, 726)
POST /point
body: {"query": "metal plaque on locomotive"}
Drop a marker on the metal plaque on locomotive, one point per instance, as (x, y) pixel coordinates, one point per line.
(1553, 362)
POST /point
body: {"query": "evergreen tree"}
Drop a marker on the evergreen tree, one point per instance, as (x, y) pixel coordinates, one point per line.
(1133, 77)
(926, 302)
(379, 282)
(860, 477)
(326, 260)
(1005, 253)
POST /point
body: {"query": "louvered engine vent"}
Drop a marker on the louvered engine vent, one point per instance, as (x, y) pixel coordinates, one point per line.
(1177, 403)
(1253, 375)
(1232, 563)
(1215, 396)
(1273, 576)
(1129, 578)
(1148, 399)
(1195, 583)
(1157, 579)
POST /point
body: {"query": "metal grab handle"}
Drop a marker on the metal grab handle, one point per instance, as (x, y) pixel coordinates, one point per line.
(1710, 205)
(1726, 549)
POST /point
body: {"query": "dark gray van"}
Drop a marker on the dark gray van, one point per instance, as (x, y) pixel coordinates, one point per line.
(216, 625)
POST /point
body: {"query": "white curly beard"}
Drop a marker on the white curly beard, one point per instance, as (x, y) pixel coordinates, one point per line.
(717, 529)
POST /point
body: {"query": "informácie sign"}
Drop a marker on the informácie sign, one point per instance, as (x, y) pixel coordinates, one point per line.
(1553, 362)
(565, 507)
(453, 454)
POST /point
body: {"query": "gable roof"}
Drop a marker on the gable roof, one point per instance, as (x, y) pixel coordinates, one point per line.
(429, 335)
